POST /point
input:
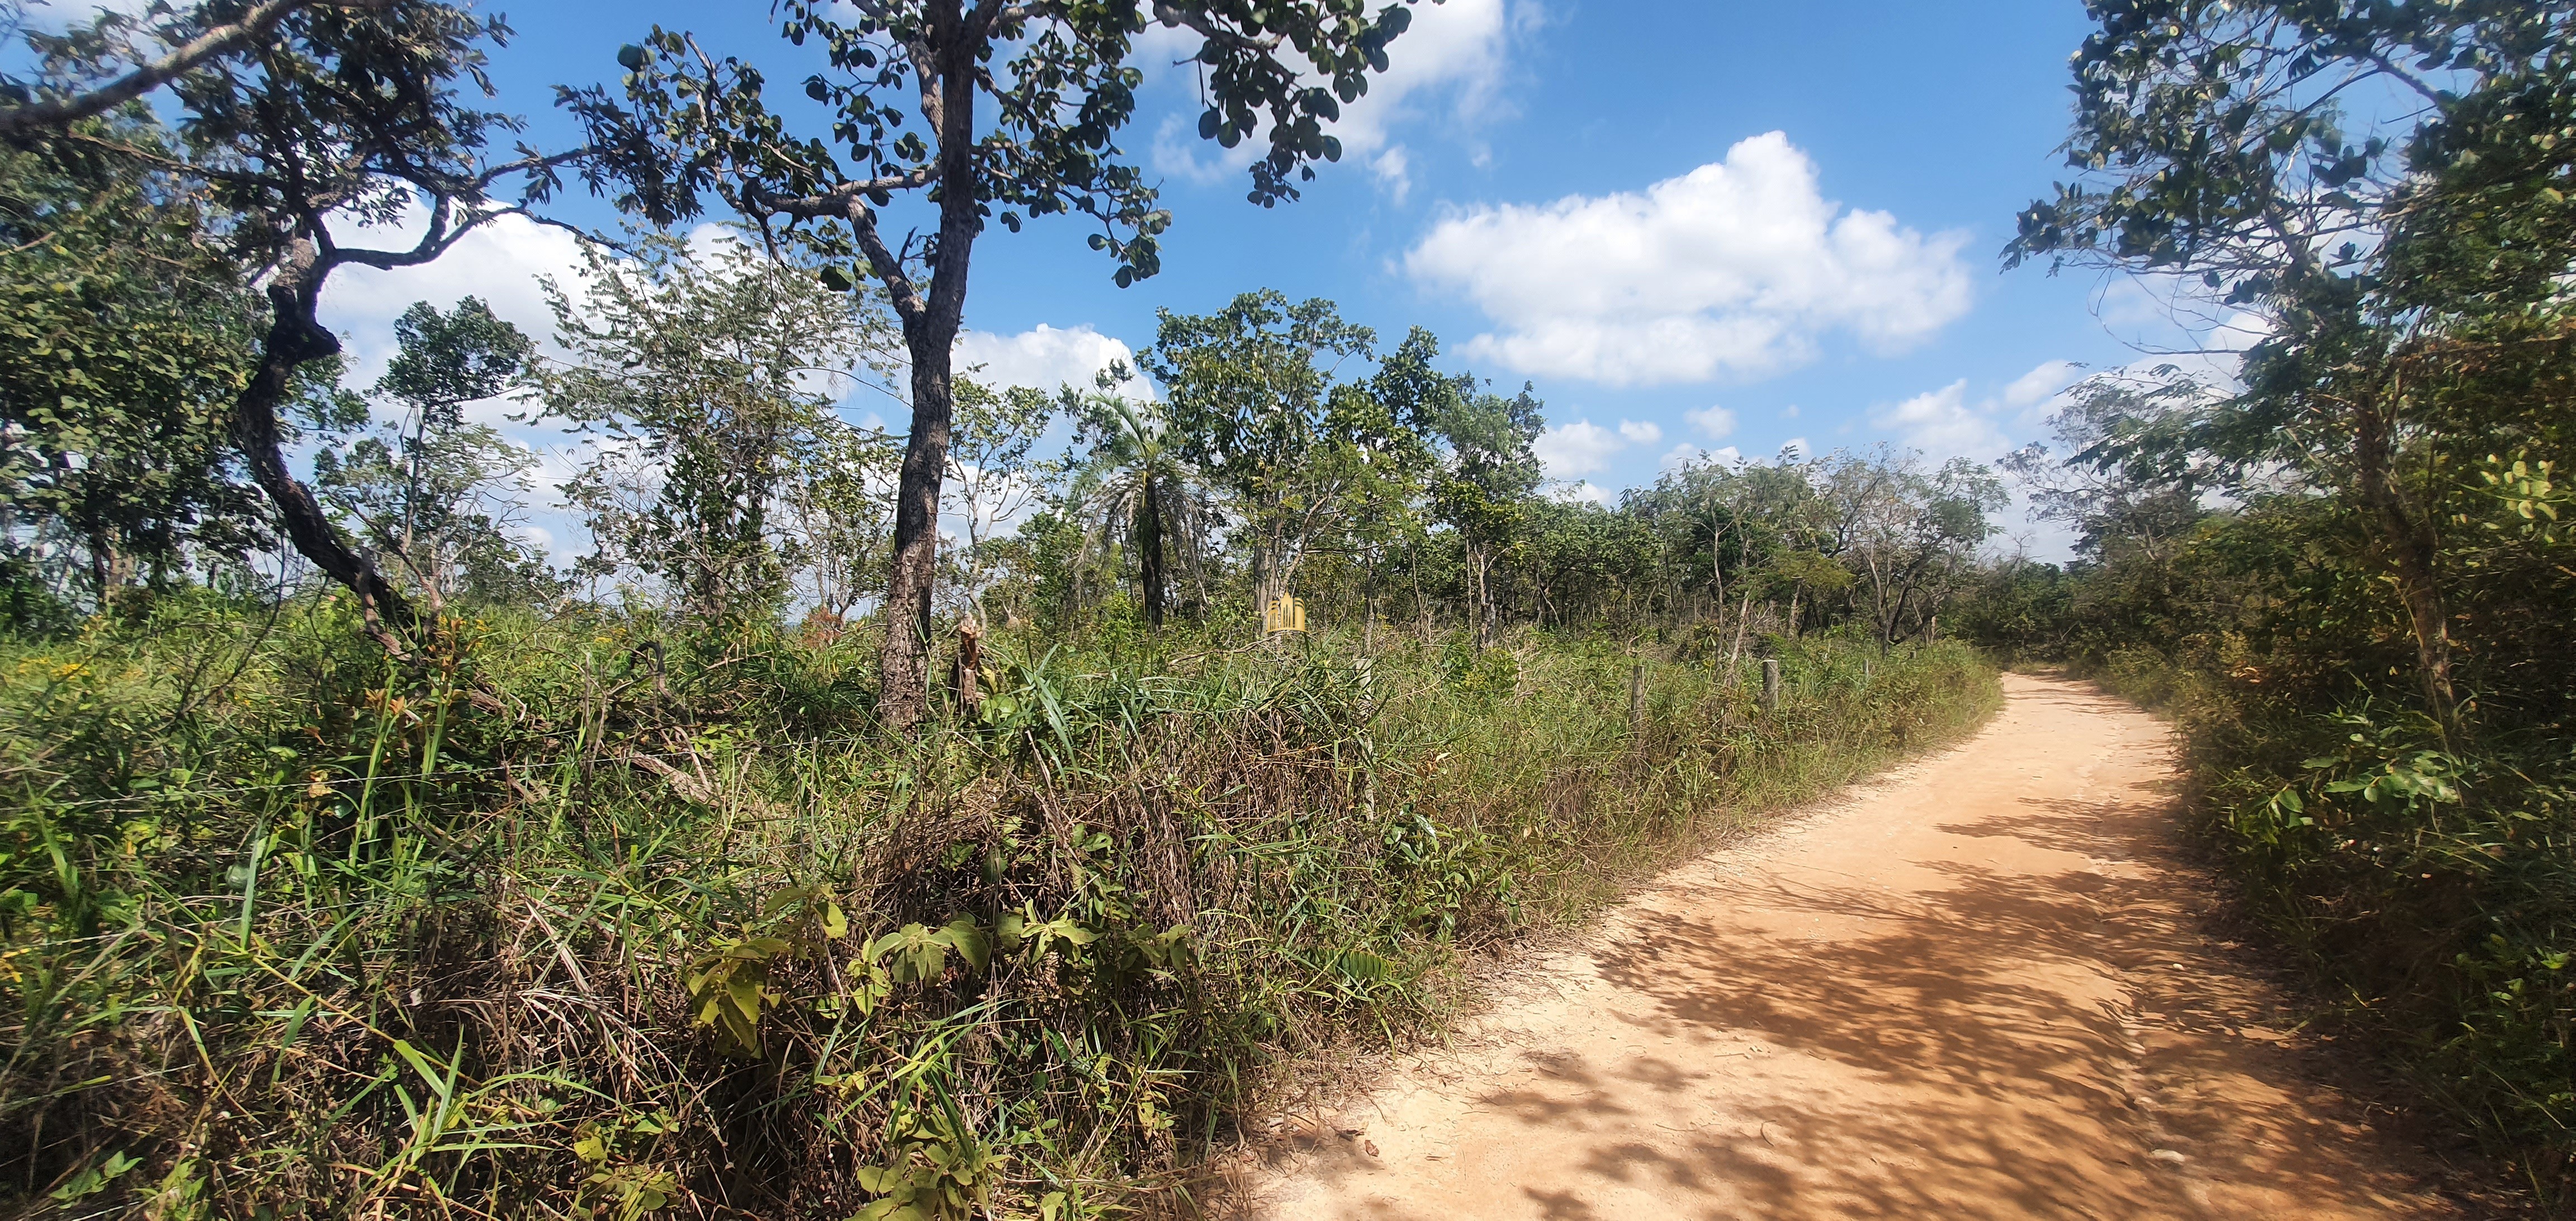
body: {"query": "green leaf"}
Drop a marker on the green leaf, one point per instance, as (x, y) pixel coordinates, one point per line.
(93, 1179)
(420, 1064)
(1363, 967)
(969, 941)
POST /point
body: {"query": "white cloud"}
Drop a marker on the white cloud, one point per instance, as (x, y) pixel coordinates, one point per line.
(2041, 383)
(1796, 447)
(1717, 422)
(1581, 491)
(1579, 448)
(1738, 266)
(1942, 424)
(1448, 66)
(1789, 412)
(1391, 168)
(1047, 357)
(1584, 448)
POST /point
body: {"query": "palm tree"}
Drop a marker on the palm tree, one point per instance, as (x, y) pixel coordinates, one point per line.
(1136, 485)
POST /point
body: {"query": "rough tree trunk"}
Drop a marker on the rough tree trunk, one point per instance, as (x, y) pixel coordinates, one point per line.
(915, 570)
(930, 334)
(1149, 547)
(294, 337)
(2412, 555)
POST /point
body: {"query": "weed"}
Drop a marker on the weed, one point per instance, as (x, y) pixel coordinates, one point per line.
(526, 930)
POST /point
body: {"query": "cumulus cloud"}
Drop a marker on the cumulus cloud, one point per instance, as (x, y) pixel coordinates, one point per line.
(1394, 168)
(1046, 357)
(1942, 424)
(1584, 448)
(2041, 383)
(1740, 266)
(1579, 448)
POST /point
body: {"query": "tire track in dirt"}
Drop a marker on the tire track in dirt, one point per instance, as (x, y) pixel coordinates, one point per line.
(1982, 987)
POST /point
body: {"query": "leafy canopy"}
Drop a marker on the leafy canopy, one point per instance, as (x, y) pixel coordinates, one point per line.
(1056, 75)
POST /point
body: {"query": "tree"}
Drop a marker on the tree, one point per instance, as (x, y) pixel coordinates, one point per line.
(1138, 486)
(698, 373)
(124, 337)
(1490, 474)
(1911, 535)
(988, 459)
(837, 503)
(194, 42)
(336, 118)
(1251, 392)
(2248, 143)
(1018, 104)
(2125, 478)
(1585, 564)
(434, 492)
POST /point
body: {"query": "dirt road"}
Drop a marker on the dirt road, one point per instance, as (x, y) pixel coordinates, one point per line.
(1983, 987)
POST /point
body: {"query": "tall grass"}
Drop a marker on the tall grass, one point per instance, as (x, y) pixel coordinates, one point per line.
(547, 923)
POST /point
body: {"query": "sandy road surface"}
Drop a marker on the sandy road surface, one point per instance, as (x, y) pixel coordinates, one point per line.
(1983, 988)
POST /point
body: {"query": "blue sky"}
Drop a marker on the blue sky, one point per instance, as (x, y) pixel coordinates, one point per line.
(1690, 224)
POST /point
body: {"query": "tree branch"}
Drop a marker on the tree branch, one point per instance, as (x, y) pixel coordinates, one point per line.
(843, 202)
(57, 112)
(889, 268)
(2428, 92)
(530, 164)
(1169, 15)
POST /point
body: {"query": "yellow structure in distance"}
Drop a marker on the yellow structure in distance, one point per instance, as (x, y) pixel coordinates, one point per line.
(1287, 614)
